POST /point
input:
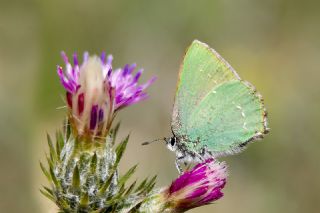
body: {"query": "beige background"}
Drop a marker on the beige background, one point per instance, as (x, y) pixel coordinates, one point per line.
(273, 44)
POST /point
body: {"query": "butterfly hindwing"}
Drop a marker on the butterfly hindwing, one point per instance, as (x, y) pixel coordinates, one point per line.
(213, 107)
(227, 118)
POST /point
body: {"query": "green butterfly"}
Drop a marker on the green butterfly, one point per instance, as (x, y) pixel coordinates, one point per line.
(215, 112)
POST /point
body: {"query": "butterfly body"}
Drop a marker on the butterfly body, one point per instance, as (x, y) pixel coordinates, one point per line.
(215, 112)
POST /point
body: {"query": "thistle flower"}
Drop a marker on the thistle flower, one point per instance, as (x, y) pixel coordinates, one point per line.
(200, 186)
(94, 93)
(84, 177)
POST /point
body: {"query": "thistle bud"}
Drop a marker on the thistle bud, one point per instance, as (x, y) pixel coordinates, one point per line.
(200, 186)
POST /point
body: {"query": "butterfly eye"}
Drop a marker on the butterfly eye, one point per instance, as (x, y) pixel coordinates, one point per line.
(173, 141)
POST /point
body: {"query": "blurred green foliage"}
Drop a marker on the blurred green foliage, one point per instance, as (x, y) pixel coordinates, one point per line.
(273, 44)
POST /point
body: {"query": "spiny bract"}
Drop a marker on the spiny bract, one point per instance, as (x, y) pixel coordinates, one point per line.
(84, 176)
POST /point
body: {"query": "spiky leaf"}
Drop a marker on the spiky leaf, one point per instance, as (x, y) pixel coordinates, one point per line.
(53, 154)
(126, 176)
(47, 195)
(76, 178)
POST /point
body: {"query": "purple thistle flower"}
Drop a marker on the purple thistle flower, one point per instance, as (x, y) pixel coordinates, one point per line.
(94, 92)
(200, 186)
(124, 88)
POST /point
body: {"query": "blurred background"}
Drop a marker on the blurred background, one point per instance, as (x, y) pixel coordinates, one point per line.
(273, 44)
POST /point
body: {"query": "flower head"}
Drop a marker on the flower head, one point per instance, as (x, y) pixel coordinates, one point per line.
(199, 186)
(94, 92)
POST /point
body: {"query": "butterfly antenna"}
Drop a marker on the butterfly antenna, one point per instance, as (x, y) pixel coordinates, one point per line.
(156, 140)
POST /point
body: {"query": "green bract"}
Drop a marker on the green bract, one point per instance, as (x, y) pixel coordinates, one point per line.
(84, 176)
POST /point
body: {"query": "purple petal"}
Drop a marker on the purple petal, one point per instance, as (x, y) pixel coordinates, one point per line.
(93, 117)
(65, 82)
(103, 57)
(123, 102)
(146, 85)
(60, 72)
(78, 87)
(85, 56)
(131, 68)
(137, 76)
(69, 99)
(109, 72)
(101, 115)
(187, 178)
(80, 103)
(125, 70)
(141, 97)
(119, 98)
(213, 196)
(197, 193)
(109, 59)
(194, 178)
(75, 59)
(64, 57)
(180, 182)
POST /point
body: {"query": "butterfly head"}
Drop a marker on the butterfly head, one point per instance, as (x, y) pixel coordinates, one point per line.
(171, 143)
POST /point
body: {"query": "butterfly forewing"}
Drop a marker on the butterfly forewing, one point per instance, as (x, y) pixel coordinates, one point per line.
(201, 70)
(213, 107)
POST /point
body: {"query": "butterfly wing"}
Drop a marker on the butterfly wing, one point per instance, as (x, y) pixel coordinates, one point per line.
(230, 116)
(200, 71)
(213, 107)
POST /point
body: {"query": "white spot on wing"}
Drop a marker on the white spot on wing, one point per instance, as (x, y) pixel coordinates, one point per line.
(242, 112)
(245, 126)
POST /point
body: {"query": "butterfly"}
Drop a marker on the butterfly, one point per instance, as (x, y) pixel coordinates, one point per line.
(215, 112)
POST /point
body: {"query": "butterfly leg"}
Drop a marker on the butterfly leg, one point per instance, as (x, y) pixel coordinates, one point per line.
(178, 159)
